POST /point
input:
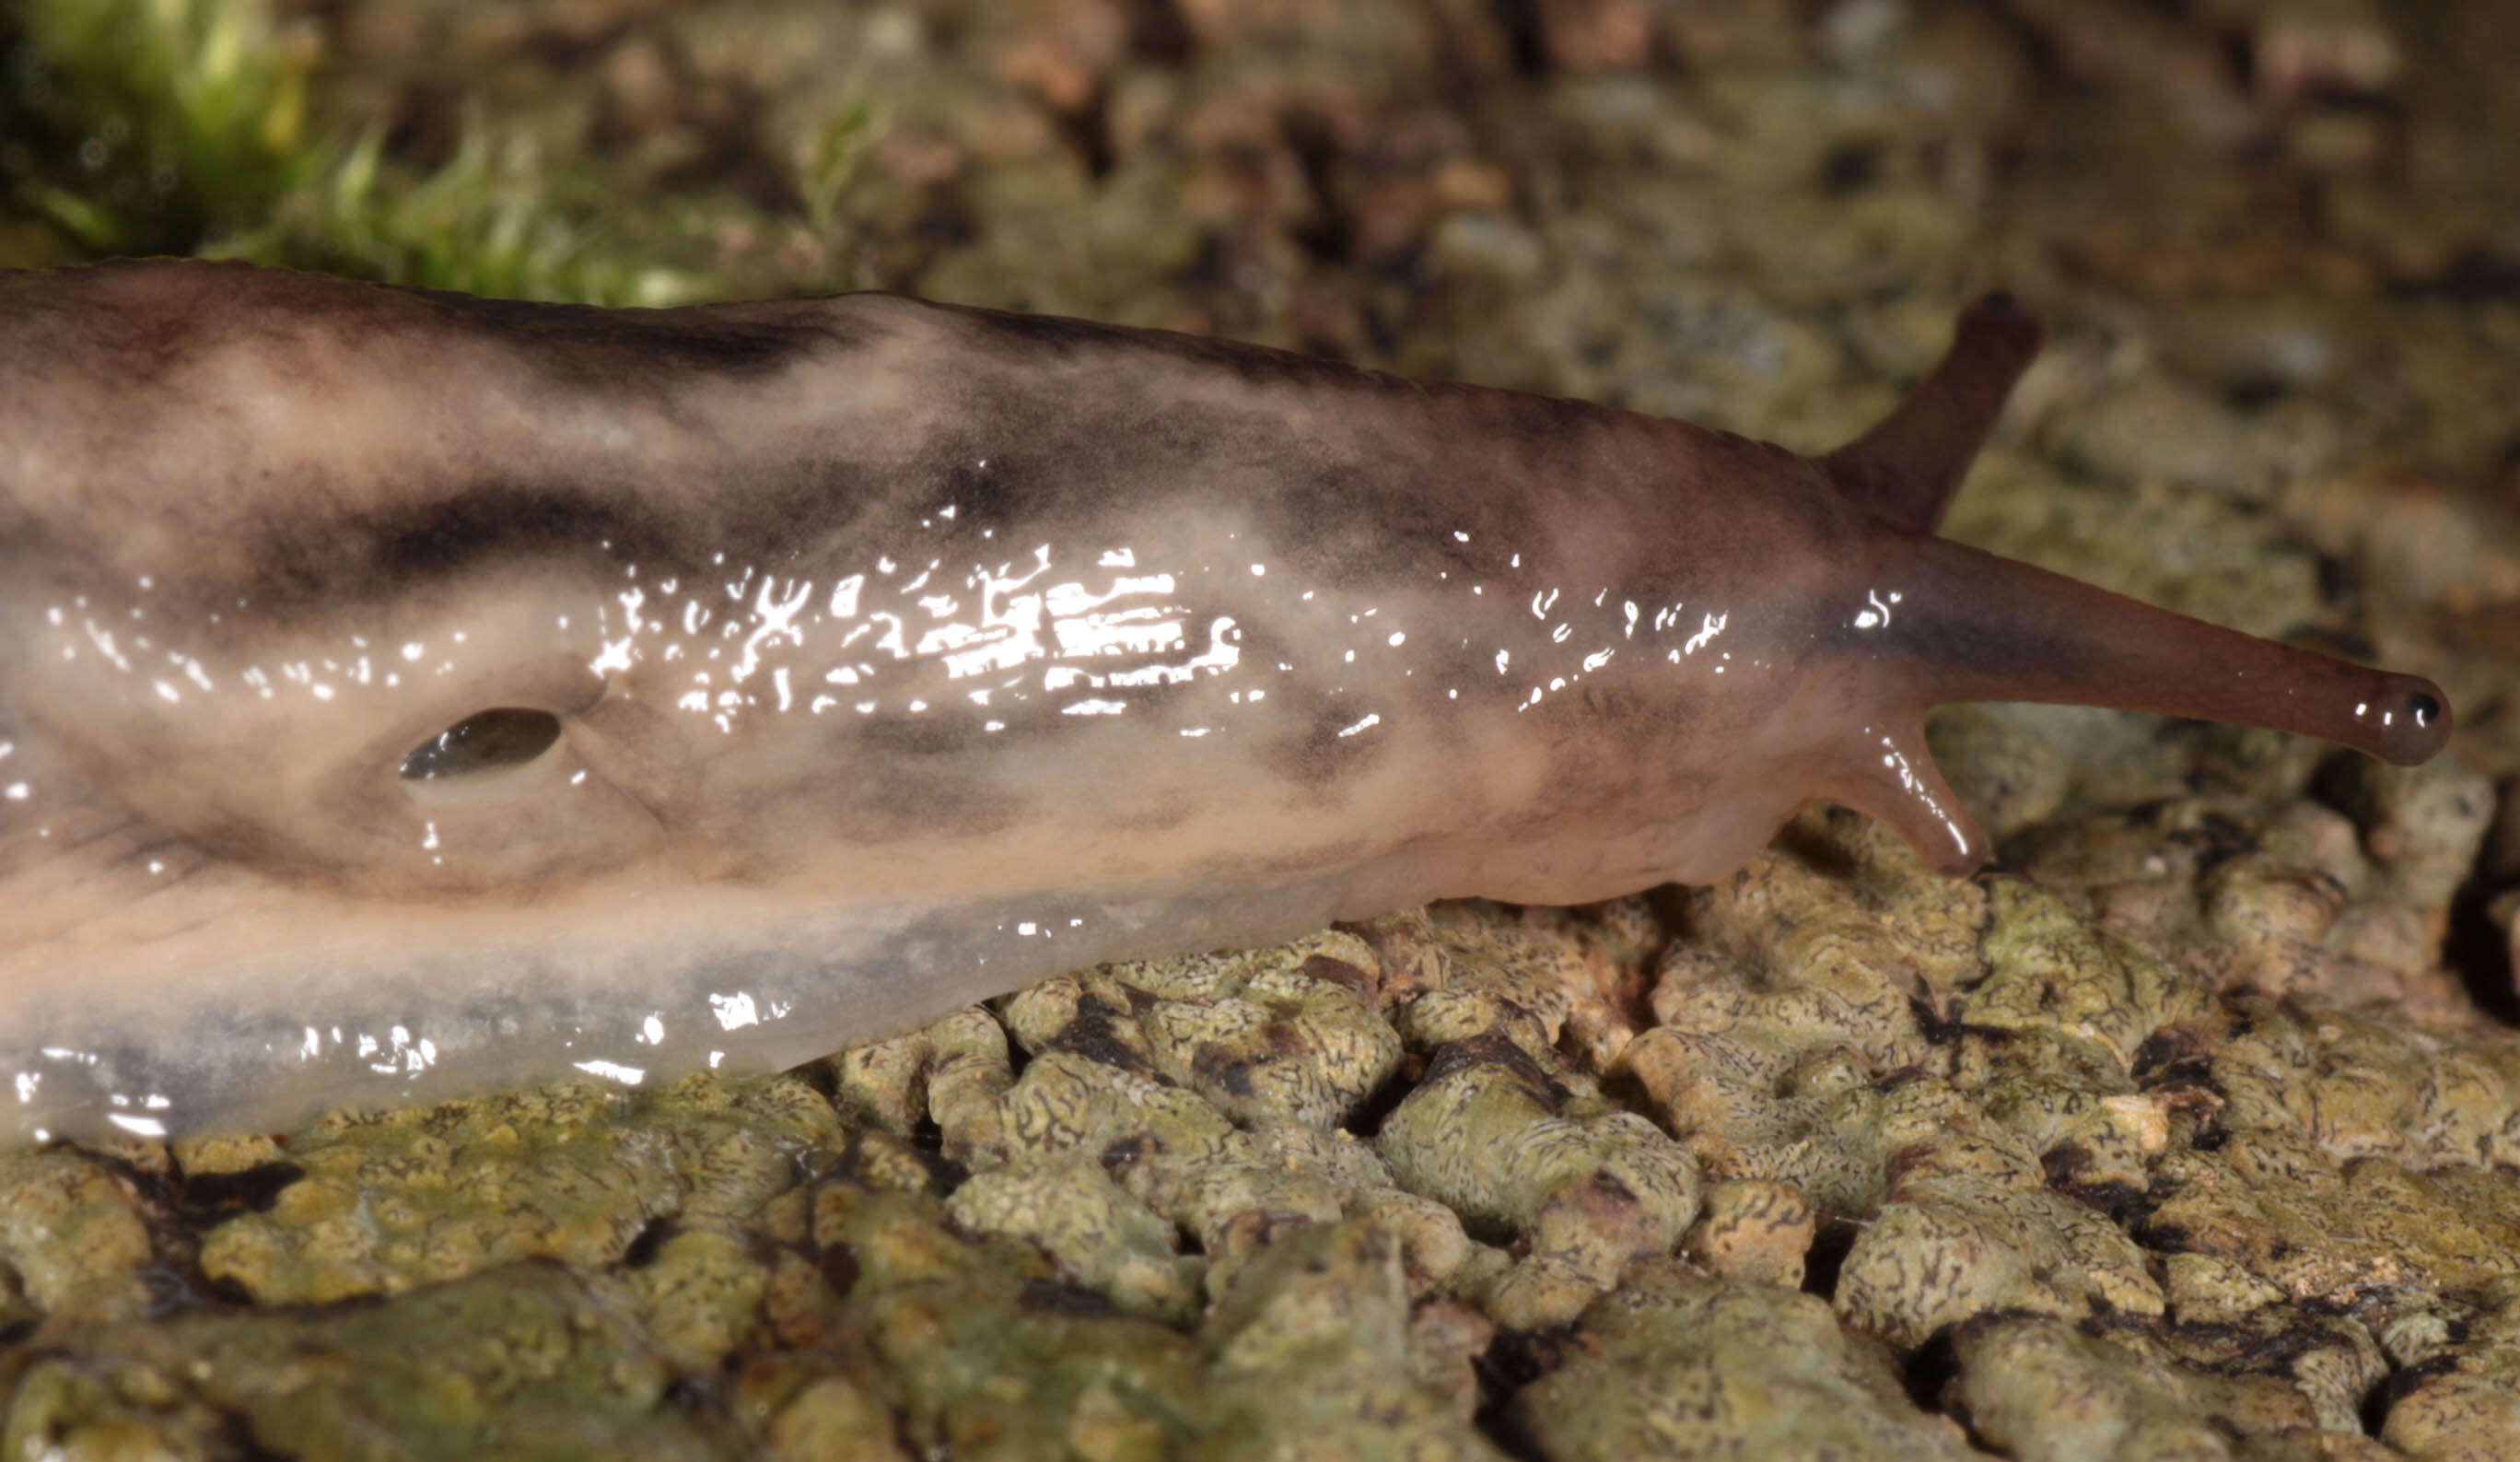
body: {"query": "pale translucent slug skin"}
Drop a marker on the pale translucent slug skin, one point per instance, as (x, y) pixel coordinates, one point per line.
(901, 653)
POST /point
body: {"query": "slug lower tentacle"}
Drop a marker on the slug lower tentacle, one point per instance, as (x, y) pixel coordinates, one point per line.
(401, 692)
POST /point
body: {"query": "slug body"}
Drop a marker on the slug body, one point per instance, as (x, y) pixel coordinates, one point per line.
(402, 693)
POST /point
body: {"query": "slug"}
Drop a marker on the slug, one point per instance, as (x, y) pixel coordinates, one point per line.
(403, 693)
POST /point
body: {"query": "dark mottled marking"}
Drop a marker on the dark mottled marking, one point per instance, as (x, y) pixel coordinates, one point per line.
(1123, 1153)
(649, 1240)
(918, 737)
(1100, 1033)
(1966, 641)
(1347, 516)
(209, 1199)
(902, 803)
(1495, 1050)
(984, 490)
(372, 555)
(1595, 751)
(1931, 1025)
(1318, 758)
(1231, 1064)
(1903, 1160)
(1061, 335)
(856, 1162)
(436, 538)
(1522, 416)
(592, 344)
(228, 834)
(2068, 1168)
(1346, 975)
(2217, 838)
(1227, 1072)
(1609, 1189)
(838, 1264)
(1050, 1296)
(2163, 1236)
(1353, 530)
(1163, 816)
(2156, 1071)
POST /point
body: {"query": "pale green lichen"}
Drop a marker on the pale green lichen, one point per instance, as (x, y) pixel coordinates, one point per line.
(572, 1172)
(1952, 1247)
(1579, 1186)
(1098, 1236)
(2312, 1225)
(73, 1241)
(2043, 1392)
(1754, 1229)
(2463, 1403)
(1675, 1364)
(1317, 1348)
(1286, 1035)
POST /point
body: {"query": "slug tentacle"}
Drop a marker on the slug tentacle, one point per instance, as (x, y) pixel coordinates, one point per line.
(1906, 468)
(1888, 775)
(1973, 627)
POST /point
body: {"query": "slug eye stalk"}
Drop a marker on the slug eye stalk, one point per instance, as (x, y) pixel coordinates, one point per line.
(1989, 628)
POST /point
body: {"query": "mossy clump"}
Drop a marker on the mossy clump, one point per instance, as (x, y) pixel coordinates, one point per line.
(186, 127)
(148, 126)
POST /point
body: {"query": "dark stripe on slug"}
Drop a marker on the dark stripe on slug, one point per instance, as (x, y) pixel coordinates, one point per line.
(589, 345)
(1319, 757)
(1921, 637)
(1256, 364)
(374, 553)
(433, 538)
(1539, 426)
(911, 803)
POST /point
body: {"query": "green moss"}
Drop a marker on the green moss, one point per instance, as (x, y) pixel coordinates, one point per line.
(497, 218)
(185, 127)
(144, 126)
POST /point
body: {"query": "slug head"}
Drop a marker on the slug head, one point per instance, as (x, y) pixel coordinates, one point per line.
(1915, 621)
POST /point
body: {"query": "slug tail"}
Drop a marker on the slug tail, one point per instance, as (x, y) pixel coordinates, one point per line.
(1967, 625)
(1906, 470)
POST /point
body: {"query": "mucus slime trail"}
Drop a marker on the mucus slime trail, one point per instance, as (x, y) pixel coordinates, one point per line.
(403, 693)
